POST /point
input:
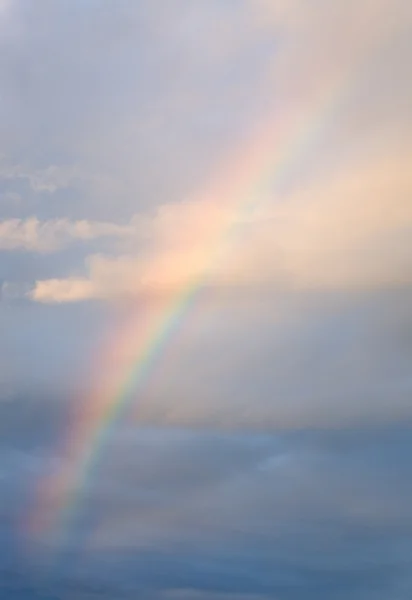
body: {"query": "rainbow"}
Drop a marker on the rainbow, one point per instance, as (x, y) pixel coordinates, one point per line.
(132, 355)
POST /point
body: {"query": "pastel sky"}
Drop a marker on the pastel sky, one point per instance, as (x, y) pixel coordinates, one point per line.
(259, 151)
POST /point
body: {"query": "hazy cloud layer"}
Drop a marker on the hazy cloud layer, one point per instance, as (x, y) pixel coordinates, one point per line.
(152, 132)
(133, 142)
(190, 514)
(258, 152)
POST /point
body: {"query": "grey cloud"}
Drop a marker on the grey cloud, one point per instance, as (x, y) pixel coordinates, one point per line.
(129, 98)
(266, 361)
(179, 514)
(48, 179)
(285, 515)
(299, 361)
(263, 486)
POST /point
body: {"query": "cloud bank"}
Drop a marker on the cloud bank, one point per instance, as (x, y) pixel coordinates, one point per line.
(184, 514)
(352, 231)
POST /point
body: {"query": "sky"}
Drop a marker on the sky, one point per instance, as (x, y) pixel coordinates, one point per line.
(205, 299)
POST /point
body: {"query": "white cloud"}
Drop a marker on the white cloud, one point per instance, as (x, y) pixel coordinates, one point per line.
(346, 223)
(48, 236)
(49, 179)
(63, 290)
(353, 230)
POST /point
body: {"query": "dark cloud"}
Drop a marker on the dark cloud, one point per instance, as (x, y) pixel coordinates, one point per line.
(197, 514)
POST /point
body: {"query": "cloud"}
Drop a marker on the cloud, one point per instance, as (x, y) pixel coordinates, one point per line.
(257, 362)
(352, 230)
(126, 114)
(261, 459)
(193, 594)
(47, 179)
(157, 115)
(175, 514)
(162, 498)
(34, 235)
(67, 290)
